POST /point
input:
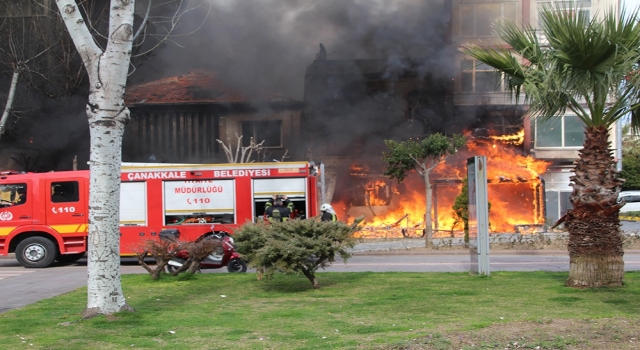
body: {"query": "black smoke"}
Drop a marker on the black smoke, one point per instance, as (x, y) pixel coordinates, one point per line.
(268, 44)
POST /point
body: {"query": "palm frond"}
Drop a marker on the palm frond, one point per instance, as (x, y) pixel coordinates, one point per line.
(581, 68)
(524, 42)
(502, 60)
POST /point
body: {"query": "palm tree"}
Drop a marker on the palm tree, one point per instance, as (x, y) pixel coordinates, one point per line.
(586, 66)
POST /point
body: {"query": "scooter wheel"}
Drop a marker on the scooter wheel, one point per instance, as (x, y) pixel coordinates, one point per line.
(171, 269)
(236, 266)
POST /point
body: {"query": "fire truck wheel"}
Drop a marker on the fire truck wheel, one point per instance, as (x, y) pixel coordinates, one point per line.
(237, 265)
(69, 258)
(36, 252)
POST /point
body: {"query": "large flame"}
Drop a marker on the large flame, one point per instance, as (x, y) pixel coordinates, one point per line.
(394, 210)
(515, 139)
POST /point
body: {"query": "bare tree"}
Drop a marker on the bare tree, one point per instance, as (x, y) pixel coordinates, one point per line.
(107, 59)
(162, 251)
(33, 55)
(243, 152)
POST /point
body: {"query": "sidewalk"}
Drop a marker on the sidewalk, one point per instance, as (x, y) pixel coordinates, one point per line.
(417, 247)
(549, 243)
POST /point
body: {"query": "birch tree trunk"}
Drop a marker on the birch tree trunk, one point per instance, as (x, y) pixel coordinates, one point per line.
(107, 116)
(10, 99)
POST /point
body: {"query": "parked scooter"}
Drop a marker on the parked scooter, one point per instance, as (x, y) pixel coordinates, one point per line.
(225, 255)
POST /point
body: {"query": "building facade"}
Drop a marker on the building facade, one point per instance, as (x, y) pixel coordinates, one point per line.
(180, 119)
(556, 141)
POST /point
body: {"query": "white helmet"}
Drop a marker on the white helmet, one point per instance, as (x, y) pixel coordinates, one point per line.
(325, 207)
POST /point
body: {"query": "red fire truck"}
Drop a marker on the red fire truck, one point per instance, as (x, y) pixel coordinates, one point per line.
(43, 216)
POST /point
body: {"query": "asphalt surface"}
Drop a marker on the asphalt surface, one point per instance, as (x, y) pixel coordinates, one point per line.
(20, 286)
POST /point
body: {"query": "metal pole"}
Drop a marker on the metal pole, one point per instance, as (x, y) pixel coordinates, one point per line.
(322, 185)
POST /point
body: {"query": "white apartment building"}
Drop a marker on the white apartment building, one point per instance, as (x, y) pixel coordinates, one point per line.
(556, 141)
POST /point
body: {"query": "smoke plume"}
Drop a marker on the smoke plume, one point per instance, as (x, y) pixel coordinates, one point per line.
(268, 44)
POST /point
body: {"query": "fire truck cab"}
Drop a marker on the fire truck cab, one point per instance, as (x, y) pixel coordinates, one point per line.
(44, 216)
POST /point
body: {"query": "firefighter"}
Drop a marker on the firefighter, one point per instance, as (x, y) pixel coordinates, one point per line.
(328, 214)
(286, 202)
(278, 212)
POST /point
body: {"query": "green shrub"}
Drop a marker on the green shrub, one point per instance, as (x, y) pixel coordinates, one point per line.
(294, 246)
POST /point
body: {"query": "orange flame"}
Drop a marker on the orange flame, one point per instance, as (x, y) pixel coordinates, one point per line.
(515, 139)
(514, 190)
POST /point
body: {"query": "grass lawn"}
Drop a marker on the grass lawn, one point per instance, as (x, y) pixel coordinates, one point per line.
(349, 311)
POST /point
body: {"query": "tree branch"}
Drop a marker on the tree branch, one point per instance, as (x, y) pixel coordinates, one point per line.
(82, 38)
(143, 25)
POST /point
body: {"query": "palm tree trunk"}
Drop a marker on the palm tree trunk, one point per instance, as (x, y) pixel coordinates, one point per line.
(595, 242)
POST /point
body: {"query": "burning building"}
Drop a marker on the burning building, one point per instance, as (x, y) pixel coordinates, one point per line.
(352, 106)
(389, 70)
(180, 118)
(349, 107)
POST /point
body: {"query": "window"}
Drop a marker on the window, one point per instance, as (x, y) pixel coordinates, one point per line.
(557, 204)
(199, 202)
(133, 204)
(567, 131)
(62, 192)
(581, 7)
(269, 131)
(293, 188)
(477, 19)
(479, 77)
(12, 195)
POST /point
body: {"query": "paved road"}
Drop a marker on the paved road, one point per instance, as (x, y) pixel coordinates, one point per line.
(20, 286)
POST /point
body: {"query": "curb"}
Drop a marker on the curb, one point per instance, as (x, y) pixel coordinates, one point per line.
(423, 251)
(458, 252)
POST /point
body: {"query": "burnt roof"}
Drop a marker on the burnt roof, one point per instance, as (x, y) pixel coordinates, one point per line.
(197, 87)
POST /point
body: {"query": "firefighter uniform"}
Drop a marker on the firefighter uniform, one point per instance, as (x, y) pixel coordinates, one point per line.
(328, 214)
(277, 212)
(286, 203)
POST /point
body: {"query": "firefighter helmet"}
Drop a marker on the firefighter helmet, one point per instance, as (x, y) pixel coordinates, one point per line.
(325, 207)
